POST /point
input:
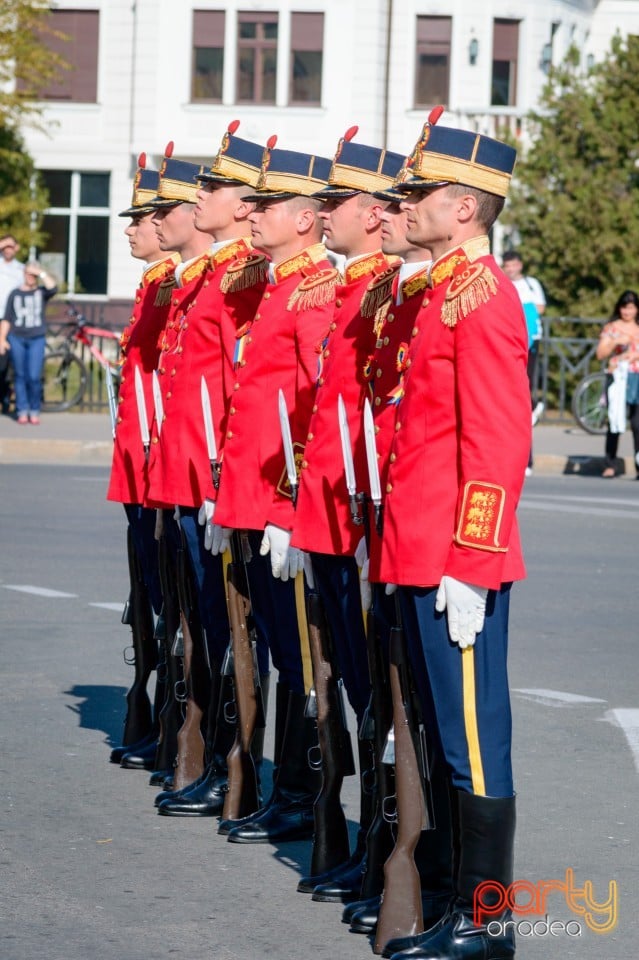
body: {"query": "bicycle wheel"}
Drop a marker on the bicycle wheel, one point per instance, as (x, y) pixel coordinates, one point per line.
(589, 405)
(64, 380)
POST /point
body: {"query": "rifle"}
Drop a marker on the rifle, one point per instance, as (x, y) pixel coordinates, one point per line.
(330, 840)
(401, 913)
(196, 687)
(138, 614)
(375, 726)
(170, 716)
(242, 797)
(325, 702)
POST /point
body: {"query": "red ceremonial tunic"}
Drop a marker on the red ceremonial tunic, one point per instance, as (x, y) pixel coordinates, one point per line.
(395, 319)
(278, 350)
(218, 293)
(462, 433)
(323, 521)
(139, 348)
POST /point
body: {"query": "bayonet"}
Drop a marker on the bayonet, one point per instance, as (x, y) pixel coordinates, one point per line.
(347, 455)
(373, 466)
(142, 416)
(287, 441)
(211, 446)
(157, 402)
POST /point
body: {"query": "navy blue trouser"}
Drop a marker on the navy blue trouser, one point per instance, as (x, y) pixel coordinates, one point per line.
(337, 582)
(466, 691)
(276, 617)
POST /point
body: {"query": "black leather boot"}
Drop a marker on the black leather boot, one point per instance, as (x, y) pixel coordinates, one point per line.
(118, 752)
(281, 710)
(290, 815)
(142, 759)
(486, 838)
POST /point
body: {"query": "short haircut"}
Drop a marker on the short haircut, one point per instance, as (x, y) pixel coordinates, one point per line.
(511, 255)
(489, 205)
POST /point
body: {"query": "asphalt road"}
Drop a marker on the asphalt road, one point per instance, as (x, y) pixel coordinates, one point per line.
(88, 870)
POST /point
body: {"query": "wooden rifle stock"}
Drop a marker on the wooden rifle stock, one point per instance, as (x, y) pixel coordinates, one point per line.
(138, 613)
(330, 841)
(242, 797)
(401, 909)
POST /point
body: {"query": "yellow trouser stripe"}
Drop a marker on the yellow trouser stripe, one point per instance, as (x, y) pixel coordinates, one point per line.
(470, 721)
(302, 626)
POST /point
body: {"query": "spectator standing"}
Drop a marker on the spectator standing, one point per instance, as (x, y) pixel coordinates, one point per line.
(619, 344)
(22, 331)
(533, 299)
(11, 274)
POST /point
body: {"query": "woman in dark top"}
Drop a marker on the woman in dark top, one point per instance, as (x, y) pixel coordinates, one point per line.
(22, 332)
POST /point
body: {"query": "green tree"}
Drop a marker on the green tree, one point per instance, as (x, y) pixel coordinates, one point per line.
(575, 198)
(27, 66)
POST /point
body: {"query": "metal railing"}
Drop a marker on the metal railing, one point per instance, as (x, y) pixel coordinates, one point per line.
(566, 356)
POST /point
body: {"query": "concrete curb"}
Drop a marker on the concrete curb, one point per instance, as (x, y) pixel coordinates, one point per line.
(98, 453)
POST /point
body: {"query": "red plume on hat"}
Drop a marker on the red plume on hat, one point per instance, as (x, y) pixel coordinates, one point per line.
(142, 161)
(226, 139)
(170, 147)
(348, 136)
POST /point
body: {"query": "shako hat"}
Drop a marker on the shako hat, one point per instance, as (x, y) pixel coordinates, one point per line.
(289, 173)
(358, 168)
(446, 155)
(145, 188)
(237, 161)
(177, 180)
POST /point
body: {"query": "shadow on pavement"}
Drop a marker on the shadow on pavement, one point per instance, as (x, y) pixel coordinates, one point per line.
(100, 708)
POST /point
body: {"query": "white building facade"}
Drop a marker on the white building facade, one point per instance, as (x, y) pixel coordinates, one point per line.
(150, 71)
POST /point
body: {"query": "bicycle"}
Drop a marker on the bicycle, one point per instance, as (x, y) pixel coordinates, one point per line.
(590, 403)
(65, 376)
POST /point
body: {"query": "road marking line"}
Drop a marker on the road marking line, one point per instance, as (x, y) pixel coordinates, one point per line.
(555, 698)
(618, 501)
(628, 720)
(108, 606)
(569, 508)
(37, 591)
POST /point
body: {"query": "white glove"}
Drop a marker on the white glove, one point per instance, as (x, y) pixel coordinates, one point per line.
(465, 607)
(220, 539)
(286, 561)
(390, 589)
(361, 559)
(205, 519)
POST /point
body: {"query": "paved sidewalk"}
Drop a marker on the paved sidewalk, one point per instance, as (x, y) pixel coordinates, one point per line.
(85, 438)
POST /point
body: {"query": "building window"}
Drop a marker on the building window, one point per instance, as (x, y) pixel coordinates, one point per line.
(257, 57)
(79, 48)
(307, 42)
(208, 55)
(505, 56)
(77, 224)
(433, 60)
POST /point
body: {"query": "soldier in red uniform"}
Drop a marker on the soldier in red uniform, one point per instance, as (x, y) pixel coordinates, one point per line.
(128, 481)
(278, 349)
(323, 521)
(394, 322)
(218, 291)
(450, 539)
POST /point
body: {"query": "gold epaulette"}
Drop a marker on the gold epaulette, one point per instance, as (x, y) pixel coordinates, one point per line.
(164, 292)
(415, 284)
(378, 290)
(195, 269)
(472, 285)
(244, 273)
(316, 290)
